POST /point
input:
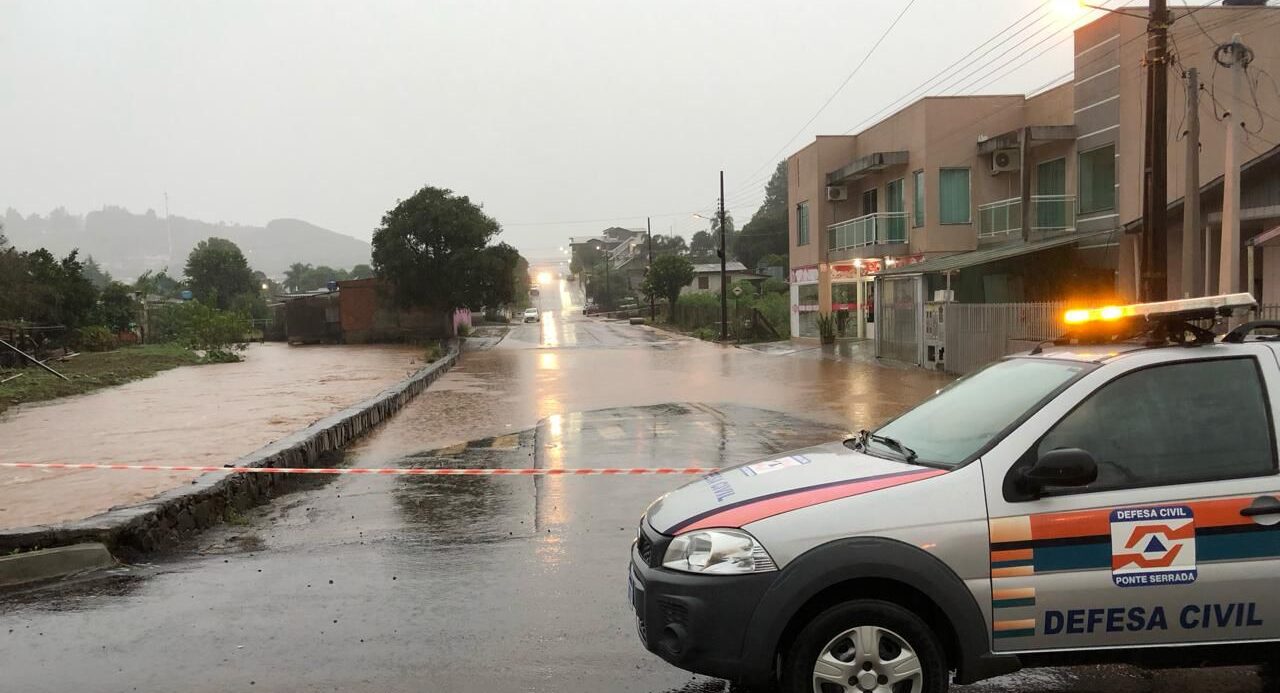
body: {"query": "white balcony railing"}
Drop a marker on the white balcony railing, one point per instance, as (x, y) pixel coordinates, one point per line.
(870, 229)
(1048, 213)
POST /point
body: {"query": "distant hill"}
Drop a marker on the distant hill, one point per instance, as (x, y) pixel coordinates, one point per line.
(127, 244)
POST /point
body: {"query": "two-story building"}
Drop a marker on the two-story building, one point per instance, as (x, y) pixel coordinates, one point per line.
(1006, 198)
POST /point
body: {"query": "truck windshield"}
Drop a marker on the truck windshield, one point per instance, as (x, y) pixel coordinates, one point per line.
(950, 427)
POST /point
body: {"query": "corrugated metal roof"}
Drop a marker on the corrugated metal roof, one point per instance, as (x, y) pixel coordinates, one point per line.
(992, 254)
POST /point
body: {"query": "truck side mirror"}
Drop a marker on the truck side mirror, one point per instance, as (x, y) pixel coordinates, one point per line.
(1064, 467)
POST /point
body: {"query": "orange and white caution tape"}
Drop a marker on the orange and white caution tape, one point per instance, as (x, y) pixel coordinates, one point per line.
(391, 471)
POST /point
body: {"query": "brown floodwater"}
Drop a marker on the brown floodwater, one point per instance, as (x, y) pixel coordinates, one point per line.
(568, 363)
(203, 415)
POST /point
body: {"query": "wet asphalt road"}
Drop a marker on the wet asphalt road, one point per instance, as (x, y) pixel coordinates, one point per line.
(471, 584)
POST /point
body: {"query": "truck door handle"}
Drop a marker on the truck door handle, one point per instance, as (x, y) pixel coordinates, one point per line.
(1262, 505)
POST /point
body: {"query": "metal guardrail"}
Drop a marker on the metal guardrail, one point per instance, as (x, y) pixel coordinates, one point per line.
(869, 229)
(1048, 213)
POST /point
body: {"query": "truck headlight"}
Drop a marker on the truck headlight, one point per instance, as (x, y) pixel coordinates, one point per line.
(718, 551)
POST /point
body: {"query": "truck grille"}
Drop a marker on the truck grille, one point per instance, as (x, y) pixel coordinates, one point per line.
(645, 547)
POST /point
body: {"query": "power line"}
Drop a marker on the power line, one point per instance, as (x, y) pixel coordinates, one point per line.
(773, 159)
(752, 179)
(942, 74)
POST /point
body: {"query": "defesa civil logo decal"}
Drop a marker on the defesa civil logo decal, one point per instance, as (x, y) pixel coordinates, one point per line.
(1154, 545)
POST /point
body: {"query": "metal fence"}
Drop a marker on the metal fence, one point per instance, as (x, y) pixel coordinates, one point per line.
(898, 319)
(977, 334)
(1267, 312)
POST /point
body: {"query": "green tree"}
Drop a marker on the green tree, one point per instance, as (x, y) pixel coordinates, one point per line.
(432, 249)
(116, 308)
(268, 286)
(667, 276)
(584, 258)
(703, 245)
(606, 295)
(294, 275)
(52, 291)
(360, 272)
(218, 273)
(498, 278)
(157, 284)
(95, 274)
(220, 334)
(669, 245)
(766, 233)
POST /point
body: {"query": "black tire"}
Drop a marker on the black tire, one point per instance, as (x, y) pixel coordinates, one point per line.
(799, 661)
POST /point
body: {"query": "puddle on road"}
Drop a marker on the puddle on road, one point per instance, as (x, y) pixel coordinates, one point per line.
(203, 415)
(511, 388)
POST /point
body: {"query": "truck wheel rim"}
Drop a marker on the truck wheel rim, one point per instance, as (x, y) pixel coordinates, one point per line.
(866, 659)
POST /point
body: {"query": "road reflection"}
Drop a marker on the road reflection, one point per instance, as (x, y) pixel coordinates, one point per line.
(550, 329)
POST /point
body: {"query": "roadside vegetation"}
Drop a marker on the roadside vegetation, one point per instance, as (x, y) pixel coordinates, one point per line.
(92, 371)
(698, 314)
(71, 315)
(761, 246)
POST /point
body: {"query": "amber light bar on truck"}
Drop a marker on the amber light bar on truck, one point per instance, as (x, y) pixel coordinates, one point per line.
(1189, 307)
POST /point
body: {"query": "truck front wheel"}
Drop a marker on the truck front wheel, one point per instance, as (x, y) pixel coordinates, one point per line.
(863, 646)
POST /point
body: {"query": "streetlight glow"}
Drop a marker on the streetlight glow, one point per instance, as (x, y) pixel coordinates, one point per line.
(544, 277)
(1068, 10)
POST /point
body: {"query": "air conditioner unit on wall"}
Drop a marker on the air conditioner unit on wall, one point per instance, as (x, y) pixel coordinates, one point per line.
(837, 193)
(1005, 160)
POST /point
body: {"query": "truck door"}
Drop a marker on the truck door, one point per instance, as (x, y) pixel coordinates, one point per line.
(1177, 539)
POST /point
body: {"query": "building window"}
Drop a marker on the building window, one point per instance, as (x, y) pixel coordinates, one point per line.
(704, 282)
(1098, 179)
(953, 196)
(869, 202)
(917, 205)
(802, 223)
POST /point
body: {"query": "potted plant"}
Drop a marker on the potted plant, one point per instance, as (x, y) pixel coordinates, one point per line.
(827, 328)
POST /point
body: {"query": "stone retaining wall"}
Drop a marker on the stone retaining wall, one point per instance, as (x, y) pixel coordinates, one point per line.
(164, 520)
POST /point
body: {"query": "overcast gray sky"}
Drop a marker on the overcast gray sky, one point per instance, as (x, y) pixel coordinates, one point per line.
(543, 111)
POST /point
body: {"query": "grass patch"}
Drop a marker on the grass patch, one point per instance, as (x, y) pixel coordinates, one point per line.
(434, 352)
(92, 371)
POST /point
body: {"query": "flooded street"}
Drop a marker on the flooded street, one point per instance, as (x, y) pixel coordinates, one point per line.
(568, 363)
(209, 414)
(380, 584)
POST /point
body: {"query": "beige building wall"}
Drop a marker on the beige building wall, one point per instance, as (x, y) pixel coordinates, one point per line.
(806, 183)
(954, 126)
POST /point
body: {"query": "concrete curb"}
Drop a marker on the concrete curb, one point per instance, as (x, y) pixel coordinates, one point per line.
(46, 564)
(164, 520)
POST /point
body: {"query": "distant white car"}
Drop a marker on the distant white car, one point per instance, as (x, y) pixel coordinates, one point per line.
(532, 315)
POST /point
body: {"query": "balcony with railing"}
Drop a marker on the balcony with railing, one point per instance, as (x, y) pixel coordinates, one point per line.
(1049, 213)
(869, 229)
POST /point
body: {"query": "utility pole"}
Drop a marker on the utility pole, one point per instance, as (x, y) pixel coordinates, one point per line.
(608, 290)
(1236, 56)
(1155, 249)
(653, 313)
(1192, 281)
(1024, 182)
(724, 284)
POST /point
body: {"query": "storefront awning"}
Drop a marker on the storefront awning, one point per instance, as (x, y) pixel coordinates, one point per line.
(992, 254)
(865, 166)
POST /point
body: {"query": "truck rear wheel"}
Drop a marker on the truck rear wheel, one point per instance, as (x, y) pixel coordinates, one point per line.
(862, 646)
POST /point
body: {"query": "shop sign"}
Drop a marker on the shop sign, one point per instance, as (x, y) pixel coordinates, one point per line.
(804, 275)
